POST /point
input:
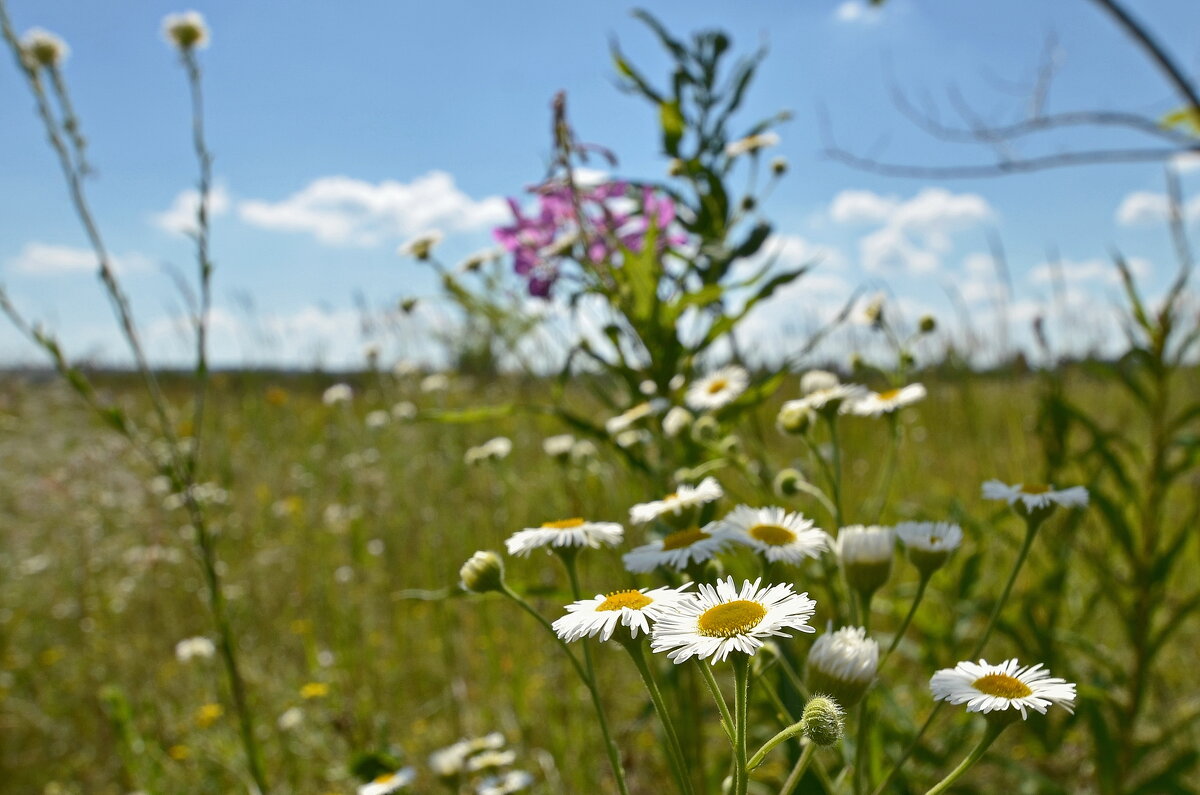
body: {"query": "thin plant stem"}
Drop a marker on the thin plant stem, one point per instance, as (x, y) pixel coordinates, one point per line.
(1031, 527)
(614, 755)
(860, 745)
(835, 445)
(770, 745)
(793, 779)
(674, 749)
(989, 736)
(715, 689)
(912, 611)
(889, 467)
(741, 678)
(567, 555)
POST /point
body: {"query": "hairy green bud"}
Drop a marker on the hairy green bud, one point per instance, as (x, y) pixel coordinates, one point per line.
(822, 721)
(483, 572)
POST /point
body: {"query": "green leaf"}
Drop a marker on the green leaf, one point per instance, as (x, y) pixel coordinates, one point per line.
(672, 126)
(468, 416)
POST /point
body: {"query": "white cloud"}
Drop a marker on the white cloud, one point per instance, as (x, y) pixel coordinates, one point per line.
(46, 259)
(914, 233)
(180, 217)
(1143, 208)
(979, 283)
(1187, 162)
(1092, 270)
(791, 251)
(862, 206)
(855, 11)
(344, 211)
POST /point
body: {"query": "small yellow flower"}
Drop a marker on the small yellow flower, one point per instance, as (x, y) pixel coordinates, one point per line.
(208, 714)
(179, 752)
(314, 690)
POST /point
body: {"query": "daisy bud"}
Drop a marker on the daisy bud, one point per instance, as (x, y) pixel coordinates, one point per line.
(822, 721)
(842, 664)
(817, 381)
(705, 429)
(675, 421)
(41, 48)
(187, 31)
(748, 203)
(421, 246)
(675, 167)
(407, 305)
(927, 324)
(795, 417)
(482, 573)
(873, 313)
(779, 166)
(866, 556)
(787, 482)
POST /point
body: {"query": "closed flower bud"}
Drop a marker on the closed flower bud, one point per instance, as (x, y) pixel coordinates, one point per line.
(187, 31)
(795, 417)
(822, 721)
(779, 166)
(842, 664)
(41, 48)
(483, 572)
(787, 482)
(866, 556)
(927, 324)
(705, 429)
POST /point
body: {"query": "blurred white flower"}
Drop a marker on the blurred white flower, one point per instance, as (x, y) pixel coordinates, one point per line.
(435, 382)
(388, 782)
(42, 48)
(199, 646)
(817, 380)
(872, 404)
(491, 450)
(751, 143)
(683, 498)
(377, 418)
(573, 532)
(1034, 496)
(676, 421)
(558, 446)
(186, 30)
(338, 393)
(290, 719)
(718, 389)
(404, 410)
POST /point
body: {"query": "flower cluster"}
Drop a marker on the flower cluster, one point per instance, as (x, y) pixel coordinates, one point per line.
(588, 223)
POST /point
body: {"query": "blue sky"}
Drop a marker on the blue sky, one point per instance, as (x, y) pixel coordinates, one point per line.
(420, 115)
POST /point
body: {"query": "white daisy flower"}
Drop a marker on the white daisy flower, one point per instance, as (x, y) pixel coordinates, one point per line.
(776, 533)
(625, 420)
(985, 688)
(929, 544)
(490, 760)
(187, 31)
(632, 438)
(199, 646)
(388, 782)
(683, 498)
(874, 404)
(718, 389)
(510, 782)
(751, 143)
(491, 450)
(338, 393)
(404, 410)
(420, 246)
(1034, 497)
(435, 382)
(817, 380)
(832, 399)
(678, 550)
(377, 419)
(558, 446)
(675, 421)
(574, 532)
(843, 664)
(589, 618)
(451, 761)
(720, 619)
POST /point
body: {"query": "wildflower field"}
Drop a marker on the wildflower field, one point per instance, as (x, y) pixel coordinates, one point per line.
(602, 542)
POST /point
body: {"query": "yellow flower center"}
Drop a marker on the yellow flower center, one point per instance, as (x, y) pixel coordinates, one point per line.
(634, 600)
(384, 778)
(772, 534)
(563, 524)
(890, 394)
(716, 385)
(1035, 488)
(1002, 685)
(684, 538)
(731, 618)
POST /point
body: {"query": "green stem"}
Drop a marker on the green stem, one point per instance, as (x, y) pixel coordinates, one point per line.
(783, 736)
(860, 747)
(674, 749)
(889, 471)
(614, 755)
(993, 731)
(715, 689)
(793, 779)
(836, 445)
(1031, 528)
(912, 611)
(741, 678)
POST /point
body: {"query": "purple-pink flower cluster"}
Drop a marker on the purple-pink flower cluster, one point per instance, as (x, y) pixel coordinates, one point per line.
(615, 214)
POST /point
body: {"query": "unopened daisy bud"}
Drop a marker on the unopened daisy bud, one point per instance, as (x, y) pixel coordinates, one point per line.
(705, 429)
(842, 664)
(420, 246)
(675, 421)
(779, 166)
(929, 544)
(927, 324)
(866, 556)
(873, 313)
(41, 48)
(483, 572)
(787, 482)
(822, 721)
(748, 203)
(675, 167)
(907, 359)
(795, 417)
(407, 305)
(187, 31)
